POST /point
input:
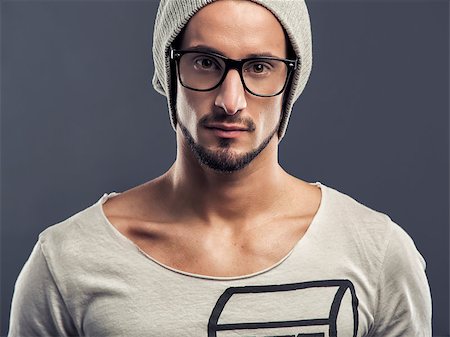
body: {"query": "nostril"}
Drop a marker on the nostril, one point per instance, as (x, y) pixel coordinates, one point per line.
(231, 102)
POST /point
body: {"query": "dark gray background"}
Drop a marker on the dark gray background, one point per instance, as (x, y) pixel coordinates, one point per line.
(79, 117)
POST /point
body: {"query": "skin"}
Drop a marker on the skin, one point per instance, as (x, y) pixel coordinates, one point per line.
(203, 220)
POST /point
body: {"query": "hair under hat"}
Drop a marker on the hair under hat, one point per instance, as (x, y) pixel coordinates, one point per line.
(173, 15)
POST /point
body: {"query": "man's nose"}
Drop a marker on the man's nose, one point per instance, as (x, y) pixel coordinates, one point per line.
(231, 96)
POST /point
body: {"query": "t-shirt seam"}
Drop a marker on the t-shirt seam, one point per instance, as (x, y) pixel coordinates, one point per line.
(41, 243)
(377, 286)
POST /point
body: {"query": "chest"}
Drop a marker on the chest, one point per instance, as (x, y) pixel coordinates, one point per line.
(313, 308)
(197, 250)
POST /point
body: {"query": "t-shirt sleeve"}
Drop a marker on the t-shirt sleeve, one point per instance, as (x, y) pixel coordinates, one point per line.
(37, 306)
(404, 300)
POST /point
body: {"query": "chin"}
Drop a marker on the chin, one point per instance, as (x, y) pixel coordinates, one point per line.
(224, 156)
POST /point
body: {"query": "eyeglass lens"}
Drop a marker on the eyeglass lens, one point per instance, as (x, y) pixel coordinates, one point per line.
(261, 76)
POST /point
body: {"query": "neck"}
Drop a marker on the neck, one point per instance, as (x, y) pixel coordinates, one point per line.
(233, 198)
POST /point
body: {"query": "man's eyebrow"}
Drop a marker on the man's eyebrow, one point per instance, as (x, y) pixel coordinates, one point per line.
(203, 48)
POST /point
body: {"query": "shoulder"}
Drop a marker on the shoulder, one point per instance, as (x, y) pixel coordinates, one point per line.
(347, 207)
(368, 231)
(348, 212)
(73, 238)
(69, 229)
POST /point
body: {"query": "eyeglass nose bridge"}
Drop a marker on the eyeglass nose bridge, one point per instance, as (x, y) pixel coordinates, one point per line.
(233, 64)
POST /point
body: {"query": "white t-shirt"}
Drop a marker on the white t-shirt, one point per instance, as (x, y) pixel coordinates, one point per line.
(354, 273)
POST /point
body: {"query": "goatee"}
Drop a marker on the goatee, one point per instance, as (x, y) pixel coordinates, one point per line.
(223, 159)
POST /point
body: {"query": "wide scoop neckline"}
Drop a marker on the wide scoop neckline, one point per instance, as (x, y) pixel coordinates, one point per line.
(306, 237)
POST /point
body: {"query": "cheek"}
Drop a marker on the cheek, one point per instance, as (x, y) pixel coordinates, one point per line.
(189, 108)
(270, 113)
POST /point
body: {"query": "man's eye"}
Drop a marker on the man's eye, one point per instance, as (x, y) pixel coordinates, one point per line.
(258, 68)
(205, 63)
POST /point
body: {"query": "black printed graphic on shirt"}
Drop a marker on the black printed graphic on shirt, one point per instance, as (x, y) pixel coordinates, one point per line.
(326, 308)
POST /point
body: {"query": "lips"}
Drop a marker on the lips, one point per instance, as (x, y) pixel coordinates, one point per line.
(222, 130)
(227, 127)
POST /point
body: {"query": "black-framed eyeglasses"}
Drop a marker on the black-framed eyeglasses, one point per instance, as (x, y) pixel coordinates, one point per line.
(262, 76)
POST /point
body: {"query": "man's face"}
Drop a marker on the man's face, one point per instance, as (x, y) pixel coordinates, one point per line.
(226, 128)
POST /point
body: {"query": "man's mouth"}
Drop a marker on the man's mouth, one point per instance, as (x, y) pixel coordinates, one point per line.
(224, 130)
(226, 127)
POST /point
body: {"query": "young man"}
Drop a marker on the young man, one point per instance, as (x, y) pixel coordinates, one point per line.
(226, 243)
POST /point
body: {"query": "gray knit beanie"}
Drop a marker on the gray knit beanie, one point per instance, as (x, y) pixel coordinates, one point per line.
(173, 15)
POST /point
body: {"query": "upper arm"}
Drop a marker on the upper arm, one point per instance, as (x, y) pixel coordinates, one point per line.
(38, 308)
(404, 300)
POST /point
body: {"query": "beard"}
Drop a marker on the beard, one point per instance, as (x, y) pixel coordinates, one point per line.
(224, 159)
